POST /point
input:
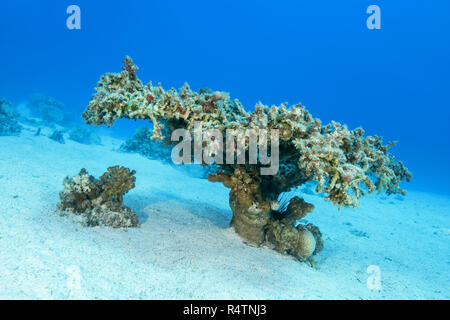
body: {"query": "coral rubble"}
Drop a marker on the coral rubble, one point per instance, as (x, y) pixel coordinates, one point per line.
(100, 201)
(9, 126)
(344, 163)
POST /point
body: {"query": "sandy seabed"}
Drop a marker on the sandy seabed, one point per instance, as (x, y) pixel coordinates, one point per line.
(184, 248)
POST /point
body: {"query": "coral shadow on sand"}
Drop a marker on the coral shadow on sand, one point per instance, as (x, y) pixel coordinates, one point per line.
(161, 201)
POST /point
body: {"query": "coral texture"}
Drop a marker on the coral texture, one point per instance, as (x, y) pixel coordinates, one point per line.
(100, 201)
(8, 120)
(343, 162)
(117, 181)
(301, 241)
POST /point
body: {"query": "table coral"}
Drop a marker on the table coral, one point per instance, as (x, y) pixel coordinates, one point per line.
(100, 201)
(344, 163)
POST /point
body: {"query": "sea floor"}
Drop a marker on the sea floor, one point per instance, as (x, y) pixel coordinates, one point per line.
(184, 248)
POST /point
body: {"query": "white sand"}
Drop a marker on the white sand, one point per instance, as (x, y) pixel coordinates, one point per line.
(184, 248)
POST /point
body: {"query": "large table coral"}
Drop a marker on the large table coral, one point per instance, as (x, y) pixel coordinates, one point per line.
(344, 163)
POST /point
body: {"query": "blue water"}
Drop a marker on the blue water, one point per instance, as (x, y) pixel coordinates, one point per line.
(393, 82)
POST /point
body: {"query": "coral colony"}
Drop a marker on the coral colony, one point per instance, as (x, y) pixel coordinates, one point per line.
(344, 164)
(100, 201)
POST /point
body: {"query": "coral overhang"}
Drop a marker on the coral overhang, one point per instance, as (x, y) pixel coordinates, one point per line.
(340, 160)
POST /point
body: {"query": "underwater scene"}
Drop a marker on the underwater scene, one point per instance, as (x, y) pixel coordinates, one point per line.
(262, 150)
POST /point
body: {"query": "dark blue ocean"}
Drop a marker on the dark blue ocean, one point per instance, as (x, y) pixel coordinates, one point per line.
(392, 81)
